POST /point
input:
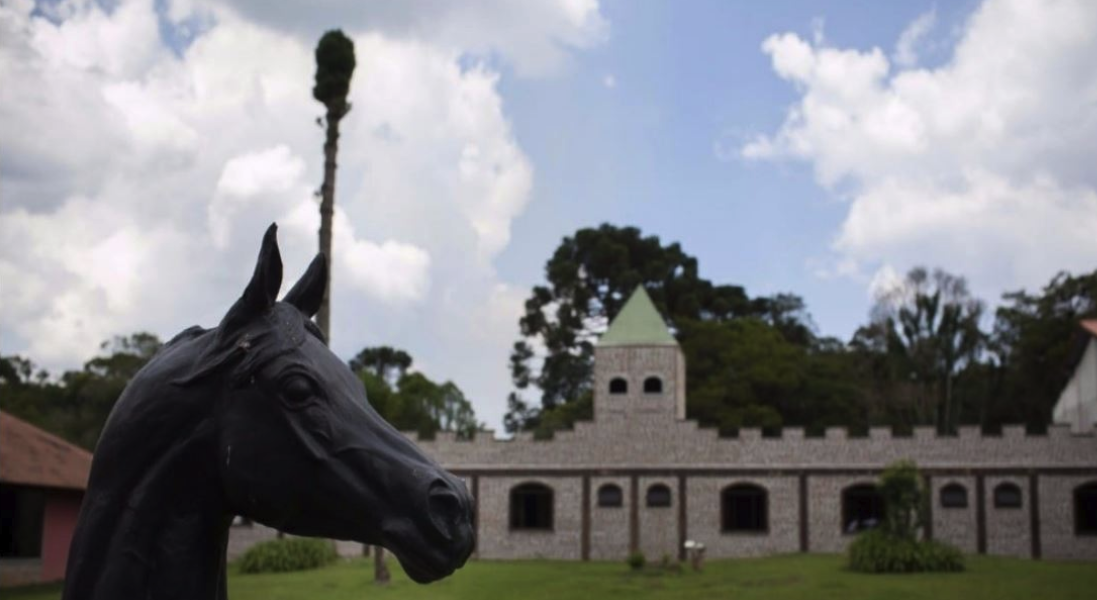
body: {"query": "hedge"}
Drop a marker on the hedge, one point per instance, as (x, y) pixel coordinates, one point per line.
(288, 554)
(877, 552)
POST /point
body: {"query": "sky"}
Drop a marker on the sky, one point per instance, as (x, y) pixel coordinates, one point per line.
(818, 148)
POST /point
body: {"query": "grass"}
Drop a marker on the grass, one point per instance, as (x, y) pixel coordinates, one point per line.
(812, 577)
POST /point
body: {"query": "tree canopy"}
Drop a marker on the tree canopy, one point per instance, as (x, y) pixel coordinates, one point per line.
(76, 405)
(409, 400)
(335, 65)
(924, 357)
(590, 277)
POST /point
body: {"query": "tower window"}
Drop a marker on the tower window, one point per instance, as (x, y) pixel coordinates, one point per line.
(531, 506)
(618, 385)
(653, 385)
(610, 496)
(1007, 495)
(743, 509)
(953, 495)
(1085, 509)
(658, 496)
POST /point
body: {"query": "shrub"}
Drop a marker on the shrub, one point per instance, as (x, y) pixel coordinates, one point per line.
(895, 547)
(636, 560)
(904, 500)
(879, 552)
(288, 554)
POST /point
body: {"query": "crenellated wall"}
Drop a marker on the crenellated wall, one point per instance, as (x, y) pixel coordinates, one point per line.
(638, 440)
(804, 479)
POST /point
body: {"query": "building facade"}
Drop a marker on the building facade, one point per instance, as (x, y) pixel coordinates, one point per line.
(640, 477)
(42, 481)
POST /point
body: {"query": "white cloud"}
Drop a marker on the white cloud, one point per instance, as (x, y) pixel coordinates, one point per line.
(906, 49)
(609, 81)
(536, 36)
(982, 166)
(138, 179)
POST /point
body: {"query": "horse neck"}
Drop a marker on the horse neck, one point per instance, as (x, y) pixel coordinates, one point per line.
(158, 534)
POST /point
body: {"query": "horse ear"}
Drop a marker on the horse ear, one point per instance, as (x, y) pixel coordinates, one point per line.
(308, 293)
(262, 290)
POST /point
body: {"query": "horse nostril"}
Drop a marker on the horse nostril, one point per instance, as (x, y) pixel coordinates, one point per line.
(445, 508)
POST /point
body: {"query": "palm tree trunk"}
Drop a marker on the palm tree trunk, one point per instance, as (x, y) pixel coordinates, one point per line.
(327, 209)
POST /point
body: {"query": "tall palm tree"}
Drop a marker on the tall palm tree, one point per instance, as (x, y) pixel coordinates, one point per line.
(334, 68)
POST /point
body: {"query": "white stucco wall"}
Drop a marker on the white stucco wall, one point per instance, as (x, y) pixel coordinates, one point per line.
(1077, 405)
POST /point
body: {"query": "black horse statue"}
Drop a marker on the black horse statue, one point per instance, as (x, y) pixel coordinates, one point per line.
(255, 417)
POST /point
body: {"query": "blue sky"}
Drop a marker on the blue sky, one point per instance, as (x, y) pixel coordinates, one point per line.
(818, 148)
(645, 152)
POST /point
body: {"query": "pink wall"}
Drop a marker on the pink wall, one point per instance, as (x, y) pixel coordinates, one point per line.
(59, 521)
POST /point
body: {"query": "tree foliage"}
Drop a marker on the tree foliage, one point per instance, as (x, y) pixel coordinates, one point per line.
(386, 362)
(335, 65)
(409, 400)
(897, 546)
(924, 357)
(76, 405)
(927, 327)
(904, 500)
(1034, 337)
(589, 278)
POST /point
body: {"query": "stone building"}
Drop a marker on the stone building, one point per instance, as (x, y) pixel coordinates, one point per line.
(639, 476)
(642, 477)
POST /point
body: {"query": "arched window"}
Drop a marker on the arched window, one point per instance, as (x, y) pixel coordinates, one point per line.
(954, 495)
(653, 385)
(744, 508)
(658, 496)
(1007, 495)
(618, 385)
(531, 506)
(610, 496)
(862, 508)
(1085, 509)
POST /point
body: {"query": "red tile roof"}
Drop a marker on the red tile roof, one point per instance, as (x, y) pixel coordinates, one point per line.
(1090, 325)
(30, 456)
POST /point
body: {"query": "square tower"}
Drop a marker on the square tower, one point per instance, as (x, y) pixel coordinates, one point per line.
(639, 369)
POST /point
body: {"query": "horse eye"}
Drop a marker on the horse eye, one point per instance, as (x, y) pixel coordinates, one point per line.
(297, 389)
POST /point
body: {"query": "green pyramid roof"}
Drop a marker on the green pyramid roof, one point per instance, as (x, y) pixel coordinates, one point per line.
(638, 323)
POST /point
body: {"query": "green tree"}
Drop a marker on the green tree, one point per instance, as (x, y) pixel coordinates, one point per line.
(409, 400)
(745, 370)
(927, 326)
(904, 500)
(1034, 336)
(388, 363)
(589, 278)
(76, 405)
(335, 64)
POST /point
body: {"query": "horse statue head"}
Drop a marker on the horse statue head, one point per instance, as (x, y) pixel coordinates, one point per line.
(257, 418)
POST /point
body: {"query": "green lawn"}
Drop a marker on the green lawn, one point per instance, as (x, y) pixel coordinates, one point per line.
(796, 576)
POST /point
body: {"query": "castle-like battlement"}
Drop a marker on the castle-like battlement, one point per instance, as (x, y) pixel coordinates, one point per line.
(659, 441)
(641, 477)
(968, 432)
